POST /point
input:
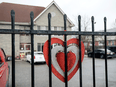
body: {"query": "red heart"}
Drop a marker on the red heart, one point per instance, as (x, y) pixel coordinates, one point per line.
(71, 57)
(59, 41)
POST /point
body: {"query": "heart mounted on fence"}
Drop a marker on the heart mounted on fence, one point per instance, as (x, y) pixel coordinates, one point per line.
(58, 57)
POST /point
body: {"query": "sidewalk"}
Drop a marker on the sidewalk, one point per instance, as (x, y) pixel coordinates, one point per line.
(22, 59)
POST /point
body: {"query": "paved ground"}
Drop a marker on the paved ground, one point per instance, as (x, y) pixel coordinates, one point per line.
(23, 74)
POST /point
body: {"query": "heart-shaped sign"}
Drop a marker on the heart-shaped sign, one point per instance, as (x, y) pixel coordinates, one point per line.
(71, 58)
(58, 57)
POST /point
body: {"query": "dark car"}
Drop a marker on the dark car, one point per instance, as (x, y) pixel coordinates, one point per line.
(112, 48)
(100, 53)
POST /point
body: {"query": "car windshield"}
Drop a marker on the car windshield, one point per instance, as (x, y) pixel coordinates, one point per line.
(107, 50)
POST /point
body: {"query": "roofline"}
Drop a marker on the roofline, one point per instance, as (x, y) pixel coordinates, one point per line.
(21, 4)
(16, 23)
(53, 2)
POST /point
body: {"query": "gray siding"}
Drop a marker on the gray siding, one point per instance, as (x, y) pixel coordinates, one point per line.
(57, 20)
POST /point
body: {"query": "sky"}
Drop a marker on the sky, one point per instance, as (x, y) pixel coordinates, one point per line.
(97, 8)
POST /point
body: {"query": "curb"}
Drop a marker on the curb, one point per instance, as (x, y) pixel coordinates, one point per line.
(85, 56)
(18, 60)
(23, 59)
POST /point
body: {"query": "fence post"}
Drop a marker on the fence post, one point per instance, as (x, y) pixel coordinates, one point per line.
(32, 51)
(65, 50)
(49, 37)
(80, 65)
(92, 19)
(106, 68)
(13, 47)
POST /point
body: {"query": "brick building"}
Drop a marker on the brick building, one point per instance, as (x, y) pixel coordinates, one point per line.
(99, 40)
(22, 21)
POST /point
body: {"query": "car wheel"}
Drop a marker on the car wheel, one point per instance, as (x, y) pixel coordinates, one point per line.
(89, 55)
(30, 62)
(27, 60)
(101, 56)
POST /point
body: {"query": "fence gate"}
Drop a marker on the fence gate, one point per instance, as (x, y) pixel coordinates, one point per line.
(48, 32)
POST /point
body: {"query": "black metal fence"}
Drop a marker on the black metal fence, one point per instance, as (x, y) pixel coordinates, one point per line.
(48, 32)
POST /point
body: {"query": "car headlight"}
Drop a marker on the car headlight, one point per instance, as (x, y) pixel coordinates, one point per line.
(111, 53)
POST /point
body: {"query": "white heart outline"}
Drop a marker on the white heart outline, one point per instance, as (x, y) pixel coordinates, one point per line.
(56, 49)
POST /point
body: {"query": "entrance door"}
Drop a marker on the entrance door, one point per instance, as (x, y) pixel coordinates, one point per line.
(24, 49)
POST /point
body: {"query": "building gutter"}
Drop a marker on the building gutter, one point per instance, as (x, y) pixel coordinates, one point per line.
(16, 23)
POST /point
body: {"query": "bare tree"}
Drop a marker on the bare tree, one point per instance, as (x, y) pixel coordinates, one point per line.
(85, 23)
(85, 26)
(114, 24)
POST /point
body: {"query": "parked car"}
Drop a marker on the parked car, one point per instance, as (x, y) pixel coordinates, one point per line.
(4, 70)
(100, 53)
(38, 57)
(112, 48)
(9, 58)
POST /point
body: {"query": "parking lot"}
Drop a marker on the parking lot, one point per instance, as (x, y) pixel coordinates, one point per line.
(23, 74)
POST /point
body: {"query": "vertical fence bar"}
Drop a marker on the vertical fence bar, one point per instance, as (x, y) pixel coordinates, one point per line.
(80, 65)
(50, 73)
(32, 51)
(65, 50)
(106, 73)
(13, 47)
(92, 19)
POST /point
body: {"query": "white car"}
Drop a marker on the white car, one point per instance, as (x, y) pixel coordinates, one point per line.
(38, 57)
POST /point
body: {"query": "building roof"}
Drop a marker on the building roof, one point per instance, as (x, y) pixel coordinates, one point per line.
(22, 12)
(111, 30)
(53, 2)
(108, 30)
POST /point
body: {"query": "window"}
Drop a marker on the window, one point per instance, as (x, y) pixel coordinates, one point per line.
(113, 43)
(21, 46)
(52, 28)
(62, 28)
(42, 27)
(59, 28)
(40, 46)
(109, 42)
(25, 46)
(38, 28)
(46, 27)
(55, 28)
